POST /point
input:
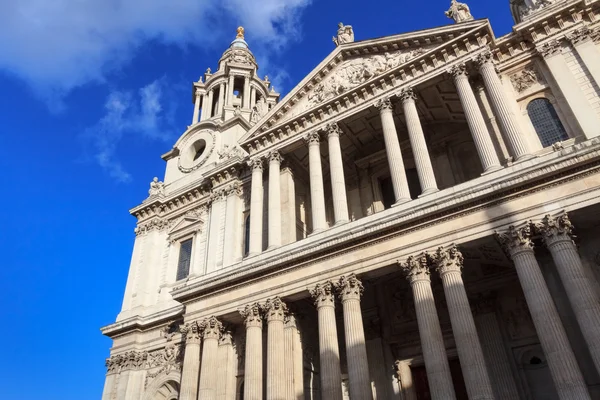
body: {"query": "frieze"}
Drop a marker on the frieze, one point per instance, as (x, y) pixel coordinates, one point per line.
(525, 79)
(129, 360)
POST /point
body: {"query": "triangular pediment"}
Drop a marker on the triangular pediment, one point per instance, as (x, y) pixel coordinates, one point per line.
(190, 223)
(354, 64)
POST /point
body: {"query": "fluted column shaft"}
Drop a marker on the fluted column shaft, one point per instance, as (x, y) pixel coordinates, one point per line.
(418, 144)
(329, 353)
(205, 107)
(394, 154)
(227, 368)
(253, 365)
(230, 90)
(449, 263)
(221, 99)
(210, 359)
(563, 366)
(317, 193)
(336, 168)
(246, 97)
(256, 207)
(191, 362)
(294, 365)
(584, 302)
(504, 112)
(350, 290)
(432, 341)
(196, 115)
(274, 200)
(477, 126)
(275, 311)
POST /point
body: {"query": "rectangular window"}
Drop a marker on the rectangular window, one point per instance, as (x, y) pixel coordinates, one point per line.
(185, 258)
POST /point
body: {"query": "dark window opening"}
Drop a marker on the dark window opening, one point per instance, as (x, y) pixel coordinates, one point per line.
(388, 196)
(247, 236)
(185, 258)
(414, 186)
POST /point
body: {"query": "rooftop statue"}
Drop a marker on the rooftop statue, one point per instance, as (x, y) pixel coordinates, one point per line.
(240, 32)
(156, 187)
(459, 12)
(345, 34)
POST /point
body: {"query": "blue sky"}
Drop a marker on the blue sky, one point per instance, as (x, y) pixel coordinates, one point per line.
(92, 93)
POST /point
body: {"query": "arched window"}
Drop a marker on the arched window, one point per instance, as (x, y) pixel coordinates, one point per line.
(546, 122)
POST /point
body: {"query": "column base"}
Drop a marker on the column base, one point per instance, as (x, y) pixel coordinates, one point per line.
(254, 254)
(429, 191)
(273, 247)
(491, 169)
(338, 223)
(524, 157)
(400, 201)
(316, 231)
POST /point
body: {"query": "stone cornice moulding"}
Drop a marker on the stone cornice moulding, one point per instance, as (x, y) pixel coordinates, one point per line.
(145, 322)
(499, 187)
(367, 47)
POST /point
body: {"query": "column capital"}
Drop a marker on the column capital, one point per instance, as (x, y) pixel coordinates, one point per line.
(192, 332)
(349, 288)
(407, 94)
(253, 315)
(291, 320)
(416, 268)
(212, 328)
(323, 295)
(256, 163)
(312, 138)
(384, 104)
(580, 35)
(515, 240)
(275, 157)
(275, 309)
(549, 49)
(555, 228)
(226, 338)
(199, 92)
(485, 58)
(447, 260)
(459, 70)
(333, 129)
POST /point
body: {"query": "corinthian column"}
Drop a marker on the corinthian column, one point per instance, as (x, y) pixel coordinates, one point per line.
(479, 131)
(349, 290)
(329, 352)
(563, 366)
(210, 358)
(432, 341)
(294, 365)
(500, 103)
(256, 207)
(557, 233)
(336, 168)
(394, 154)
(191, 361)
(274, 199)
(317, 193)
(227, 368)
(449, 264)
(253, 367)
(196, 116)
(275, 311)
(417, 142)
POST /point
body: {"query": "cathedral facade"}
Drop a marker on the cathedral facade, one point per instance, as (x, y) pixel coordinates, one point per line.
(401, 225)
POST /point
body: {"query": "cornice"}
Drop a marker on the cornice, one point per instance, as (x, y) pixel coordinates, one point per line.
(516, 181)
(139, 322)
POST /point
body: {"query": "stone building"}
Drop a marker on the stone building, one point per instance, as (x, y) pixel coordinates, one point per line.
(399, 226)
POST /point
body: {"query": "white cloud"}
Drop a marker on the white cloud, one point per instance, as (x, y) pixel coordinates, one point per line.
(139, 114)
(57, 45)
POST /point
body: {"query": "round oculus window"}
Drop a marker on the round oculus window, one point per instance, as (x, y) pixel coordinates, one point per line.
(195, 154)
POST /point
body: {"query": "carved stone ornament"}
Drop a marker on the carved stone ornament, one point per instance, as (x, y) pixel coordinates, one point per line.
(323, 295)
(384, 104)
(458, 70)
(258, 111)
(191, 332)
(349, 288)
(459, 12)
(580, 35)
(275, 309)
(333, 129)
(230, 151)
(345, 34)
(166, 360)
(256, 163)
(416, 268)
(226, 338)
(312, 138)
(157, 188)
(129, 360)
(275, 157)
(514, 240)
(202, 160)
(291, 320)
(485, 58)
(212, 328)
(218, 195)
(528, 10)
(549, 49)
(557, 146)
(447, 260)
(155, 224)
(252, 314)
(553, 229)
(524, 79)
(407, 94)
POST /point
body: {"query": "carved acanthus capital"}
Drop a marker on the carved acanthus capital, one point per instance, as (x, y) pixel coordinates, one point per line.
(349, 288)
(416, 268)
(253, 316)
(312, 138)
(275, 309)
(333, 129)
(192, 332)
(447, 260)
(515, 240)
(384, 105)
(323, 294)
(217, 195)
(113, 364)
(226, 338)
(407, 94)
(212, 328)
(275, 157)
(549, 49)
(580, 35)
(256, 164)
(555, 229)
(133, 359)
(486, 58)
(459, 70)
(291, 320)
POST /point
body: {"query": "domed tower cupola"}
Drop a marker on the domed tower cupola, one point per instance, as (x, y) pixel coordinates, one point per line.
(234, 90)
